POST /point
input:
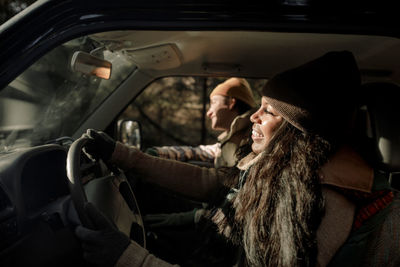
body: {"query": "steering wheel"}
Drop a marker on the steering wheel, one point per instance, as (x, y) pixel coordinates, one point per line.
(111, 194)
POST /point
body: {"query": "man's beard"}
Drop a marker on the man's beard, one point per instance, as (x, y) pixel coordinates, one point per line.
(276, 214)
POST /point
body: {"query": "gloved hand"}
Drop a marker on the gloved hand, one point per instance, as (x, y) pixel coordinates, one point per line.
(99, 145)
(171, 219)
(104, 245)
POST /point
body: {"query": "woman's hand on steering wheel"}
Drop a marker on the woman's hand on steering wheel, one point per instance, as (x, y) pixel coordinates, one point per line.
(99, 145)
(95, 227)
(104, 244)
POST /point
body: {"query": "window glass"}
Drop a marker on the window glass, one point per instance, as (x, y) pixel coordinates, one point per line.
(49, 100)
(172, 110)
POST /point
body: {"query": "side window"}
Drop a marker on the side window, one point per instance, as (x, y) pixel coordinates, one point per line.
(172, 111)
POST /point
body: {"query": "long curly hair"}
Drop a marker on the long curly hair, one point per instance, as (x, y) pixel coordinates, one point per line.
(276, 213)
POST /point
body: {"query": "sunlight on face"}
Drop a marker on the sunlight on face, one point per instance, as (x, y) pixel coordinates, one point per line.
(220, 113)
(265, 121)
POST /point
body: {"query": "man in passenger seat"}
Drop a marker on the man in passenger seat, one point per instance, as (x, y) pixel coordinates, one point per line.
(231, 104)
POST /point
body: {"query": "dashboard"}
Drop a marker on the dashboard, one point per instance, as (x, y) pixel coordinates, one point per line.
(43, 180)
(34, 206)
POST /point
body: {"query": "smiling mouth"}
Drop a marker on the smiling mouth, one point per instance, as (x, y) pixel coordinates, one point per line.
(256, 134)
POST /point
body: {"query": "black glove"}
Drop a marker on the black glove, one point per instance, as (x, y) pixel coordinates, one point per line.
(171, 219)
(105, 245)
(99, 145)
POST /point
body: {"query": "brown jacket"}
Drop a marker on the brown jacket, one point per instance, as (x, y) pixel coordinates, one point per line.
(230, 141)
(346, 169)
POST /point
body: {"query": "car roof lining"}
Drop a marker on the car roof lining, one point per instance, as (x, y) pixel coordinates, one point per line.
(249, 53)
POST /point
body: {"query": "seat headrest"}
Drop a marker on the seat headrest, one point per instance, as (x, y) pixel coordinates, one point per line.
(382, 103)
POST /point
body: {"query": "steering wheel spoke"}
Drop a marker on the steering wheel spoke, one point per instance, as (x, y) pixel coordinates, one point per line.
(111, 194)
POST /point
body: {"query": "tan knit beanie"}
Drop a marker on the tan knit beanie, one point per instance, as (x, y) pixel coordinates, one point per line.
(238, 88)
(318, 96)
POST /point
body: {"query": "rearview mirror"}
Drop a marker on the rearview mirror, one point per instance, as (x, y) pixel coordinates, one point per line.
(91, 65)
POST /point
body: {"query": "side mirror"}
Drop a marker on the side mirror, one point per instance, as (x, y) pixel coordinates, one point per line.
(91, 65)
(129, 133)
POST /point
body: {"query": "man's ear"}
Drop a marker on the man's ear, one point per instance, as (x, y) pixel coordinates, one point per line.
(232, 103)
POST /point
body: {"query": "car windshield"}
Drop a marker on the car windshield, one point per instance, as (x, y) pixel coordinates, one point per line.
(49, 100)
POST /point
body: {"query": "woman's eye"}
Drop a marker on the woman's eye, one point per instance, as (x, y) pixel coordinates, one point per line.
(267, 112)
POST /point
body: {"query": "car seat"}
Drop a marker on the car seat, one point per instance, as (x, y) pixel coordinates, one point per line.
(382, 133)
(383, 128)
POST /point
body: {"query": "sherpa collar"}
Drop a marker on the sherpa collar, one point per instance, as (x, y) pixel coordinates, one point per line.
(345, 169)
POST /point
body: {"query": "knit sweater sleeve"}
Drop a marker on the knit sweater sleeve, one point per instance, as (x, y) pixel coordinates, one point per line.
(205, 153)
(192, 181)
(136, 256)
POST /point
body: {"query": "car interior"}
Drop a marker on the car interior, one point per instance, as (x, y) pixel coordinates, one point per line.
(89, 81)
(381, 124)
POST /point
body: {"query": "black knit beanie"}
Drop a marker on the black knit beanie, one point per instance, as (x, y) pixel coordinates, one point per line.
(318, 96)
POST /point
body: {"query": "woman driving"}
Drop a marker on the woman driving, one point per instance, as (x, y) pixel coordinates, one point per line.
(296, 197)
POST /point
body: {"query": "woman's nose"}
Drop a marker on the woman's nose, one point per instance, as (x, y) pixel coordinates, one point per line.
(254, 118)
